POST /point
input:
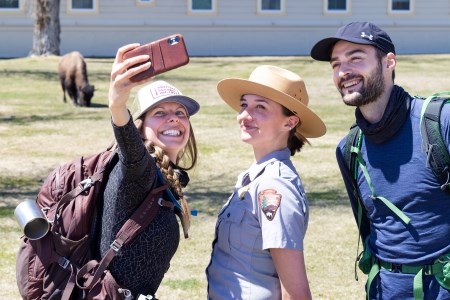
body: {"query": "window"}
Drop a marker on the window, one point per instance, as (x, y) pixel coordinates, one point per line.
(82, 6)
(401, 6)
(336, 6)
(145, 2)
(270, 6)
(10, 5)
(202, 6)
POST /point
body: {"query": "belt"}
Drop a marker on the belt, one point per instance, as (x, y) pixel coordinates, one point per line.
(431, 269)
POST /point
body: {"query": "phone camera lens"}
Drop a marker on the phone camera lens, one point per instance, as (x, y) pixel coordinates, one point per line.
(173, 40)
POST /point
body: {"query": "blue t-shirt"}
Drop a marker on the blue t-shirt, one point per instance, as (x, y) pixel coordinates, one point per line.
(397, 169)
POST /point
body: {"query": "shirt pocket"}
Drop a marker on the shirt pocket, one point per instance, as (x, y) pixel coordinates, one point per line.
(247, 232)
(228, 229)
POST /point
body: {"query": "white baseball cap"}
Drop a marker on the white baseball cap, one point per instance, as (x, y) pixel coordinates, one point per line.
(159, 92)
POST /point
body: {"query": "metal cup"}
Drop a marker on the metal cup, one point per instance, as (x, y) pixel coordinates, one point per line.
(31, 219)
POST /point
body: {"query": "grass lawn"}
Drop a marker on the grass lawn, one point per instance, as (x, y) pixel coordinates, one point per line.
(38, 132)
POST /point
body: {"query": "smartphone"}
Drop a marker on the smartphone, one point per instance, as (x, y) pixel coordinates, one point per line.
(165, 54)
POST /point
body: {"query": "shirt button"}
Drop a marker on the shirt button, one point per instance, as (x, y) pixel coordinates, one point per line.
(228, 215)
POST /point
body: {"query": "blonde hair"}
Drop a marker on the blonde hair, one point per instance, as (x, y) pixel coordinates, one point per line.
(186, 160)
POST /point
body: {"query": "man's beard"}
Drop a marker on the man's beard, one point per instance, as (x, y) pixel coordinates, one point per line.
(373, 87)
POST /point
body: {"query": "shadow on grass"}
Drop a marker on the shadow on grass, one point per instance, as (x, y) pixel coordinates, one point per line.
(22, 120)
(52, 75)
(31, 74)
(93, 105)
(94, 76)
(205, 199)
(98, 105)
(328, 198)
(211, 200)
(14, 189)
(6, 212)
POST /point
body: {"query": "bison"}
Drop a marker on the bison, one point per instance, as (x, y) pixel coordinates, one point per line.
(73, 76)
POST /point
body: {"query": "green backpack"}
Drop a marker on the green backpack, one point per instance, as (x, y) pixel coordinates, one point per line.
(438, 159)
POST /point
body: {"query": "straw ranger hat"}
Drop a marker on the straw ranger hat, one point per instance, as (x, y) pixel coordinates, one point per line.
(279, 85)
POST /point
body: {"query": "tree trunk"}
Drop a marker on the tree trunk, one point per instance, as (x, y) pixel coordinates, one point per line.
(46, 28)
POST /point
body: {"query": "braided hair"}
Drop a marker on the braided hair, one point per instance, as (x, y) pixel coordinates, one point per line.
(186, 160)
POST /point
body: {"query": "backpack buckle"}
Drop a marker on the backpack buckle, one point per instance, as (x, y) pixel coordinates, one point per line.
(145, 297)
(87, 183)
(116, 246)
(396, 268)
(63, 262)
(428, 270)
(126, 293)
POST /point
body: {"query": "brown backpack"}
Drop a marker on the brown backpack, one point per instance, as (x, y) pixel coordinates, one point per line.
(61, 265)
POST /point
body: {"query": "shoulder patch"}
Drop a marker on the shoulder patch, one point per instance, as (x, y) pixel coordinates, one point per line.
(269, 200)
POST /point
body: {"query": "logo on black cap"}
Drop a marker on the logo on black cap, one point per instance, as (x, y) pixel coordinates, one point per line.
(364, 35)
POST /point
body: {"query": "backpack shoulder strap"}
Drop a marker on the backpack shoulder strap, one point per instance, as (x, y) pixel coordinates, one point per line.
(101, 160)
(139, 220)
(351, 141)
(438, 158)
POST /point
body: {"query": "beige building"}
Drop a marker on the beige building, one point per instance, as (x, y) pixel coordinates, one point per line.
(227, 27)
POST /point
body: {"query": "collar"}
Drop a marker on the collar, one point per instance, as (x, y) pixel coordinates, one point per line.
(258, 167)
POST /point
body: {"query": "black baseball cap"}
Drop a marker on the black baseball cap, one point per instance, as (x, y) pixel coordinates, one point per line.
(356, 32)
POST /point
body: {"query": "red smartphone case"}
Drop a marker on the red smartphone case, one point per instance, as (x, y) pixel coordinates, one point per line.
(165, 54)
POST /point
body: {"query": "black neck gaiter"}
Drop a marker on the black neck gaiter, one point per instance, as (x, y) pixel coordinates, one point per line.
(393, 118)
